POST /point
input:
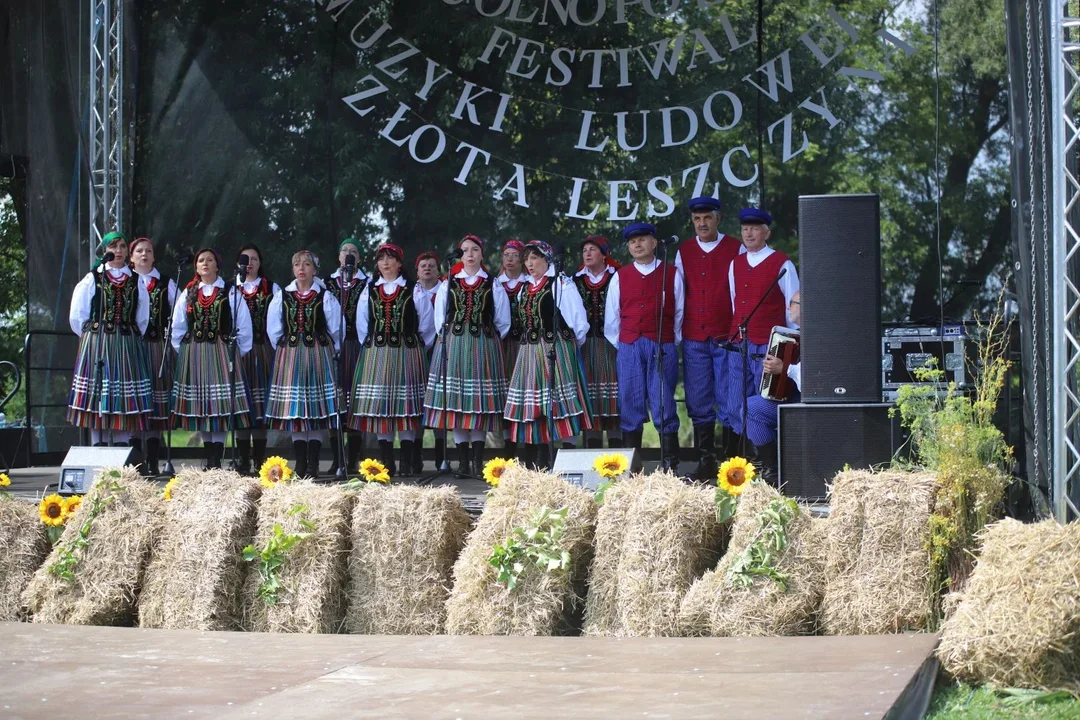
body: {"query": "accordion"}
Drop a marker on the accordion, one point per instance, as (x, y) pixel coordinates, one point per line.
(783, 344)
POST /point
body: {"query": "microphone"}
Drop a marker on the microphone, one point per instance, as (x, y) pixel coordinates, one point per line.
(108, 258)
(455, 255)
(350, 267)
(782, 273)
(185, 259)
(560, 250)
(673, 240)
(241, 269)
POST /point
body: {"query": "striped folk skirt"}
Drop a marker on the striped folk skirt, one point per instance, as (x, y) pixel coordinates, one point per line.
(202, 400)
(162, 384)
(258, 367)
(303, 391)
(388, 390)
(126, 399)
(474, 394)
(510, 353)
(602, 380)
(540, 408)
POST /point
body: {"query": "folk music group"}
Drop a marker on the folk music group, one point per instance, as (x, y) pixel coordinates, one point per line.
(536, 357)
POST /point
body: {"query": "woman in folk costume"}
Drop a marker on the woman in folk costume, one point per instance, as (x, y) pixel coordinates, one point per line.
(597, 354)
(348, 295)
(110, 311)
(424, 291)
(257, 292)
(162, 292)
(304, 324)
(542, 406)
(466, 388)
(396, 331)
(204, 395)
(513, 279)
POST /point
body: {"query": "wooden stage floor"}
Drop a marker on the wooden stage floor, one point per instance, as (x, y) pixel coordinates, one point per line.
(65, 671)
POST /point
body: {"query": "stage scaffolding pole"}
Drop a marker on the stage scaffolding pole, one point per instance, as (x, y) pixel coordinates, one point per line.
(1064, 362)
(106, 119)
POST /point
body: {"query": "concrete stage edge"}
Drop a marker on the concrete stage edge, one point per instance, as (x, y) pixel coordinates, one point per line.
(58, 671)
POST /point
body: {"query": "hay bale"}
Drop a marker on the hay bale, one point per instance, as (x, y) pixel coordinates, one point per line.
(405, 540)
(542, 603)
(655, 535)
(110, 567)
(25, 545)
(194, 577)
(715, 606)
(1017, 623)
(877, 567)
(312, 594)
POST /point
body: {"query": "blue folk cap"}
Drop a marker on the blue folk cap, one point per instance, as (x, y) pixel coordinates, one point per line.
(635, 229)
(754, 216)
(704, 204)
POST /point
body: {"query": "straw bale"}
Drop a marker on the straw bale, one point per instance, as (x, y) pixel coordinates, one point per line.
(110, 568)
(25, 545)
(543, 603)
(1017, 623)
(715, 606)
(655, 535)
(405, 540)
(312, 595)
(877, 567)
(194, 577)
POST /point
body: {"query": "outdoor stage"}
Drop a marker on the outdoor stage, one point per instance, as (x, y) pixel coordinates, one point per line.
(102, 672)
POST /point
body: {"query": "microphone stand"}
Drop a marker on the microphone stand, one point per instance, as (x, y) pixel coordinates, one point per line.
(169, 469)
(744, 349)
(556, 316)
(345, 279)
(241, 275)
(660, 352)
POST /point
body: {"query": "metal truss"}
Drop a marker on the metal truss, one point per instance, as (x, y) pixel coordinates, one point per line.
(1064, 260)
(106, 119)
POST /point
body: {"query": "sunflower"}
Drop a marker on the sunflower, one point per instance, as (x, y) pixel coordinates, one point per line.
(4, 480)
(53, 510)
(735, 474)
(374, 471)
(72, 504)
(610, 465)
(169, 487)
(494, 469)
(275, 470)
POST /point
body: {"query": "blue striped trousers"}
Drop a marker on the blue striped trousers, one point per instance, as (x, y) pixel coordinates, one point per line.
(740, 383)
(704, 369)
(639, 385)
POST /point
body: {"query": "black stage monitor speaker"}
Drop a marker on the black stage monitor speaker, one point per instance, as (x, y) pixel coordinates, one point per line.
(576, 466)
(83, 462)
(817, 441)
(840, 274)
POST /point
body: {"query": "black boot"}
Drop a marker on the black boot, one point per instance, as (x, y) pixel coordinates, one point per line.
(314, 447)
(137, 444)
(543, 457)
(243, 455)
(356, 447)
(731, 445)
(386, 456)
(614, 442)
(258, 454)
(153, 452)
(442, 464)
(418, 454)
(300, 466)
(219, 453)
(509, 449)
(766, 459)
(405, 466)
(464, 453)
(527, 455)
(669, 452)
(594, 442)
(478, 458)
(704, 441)
(208, 455)
(633, 440)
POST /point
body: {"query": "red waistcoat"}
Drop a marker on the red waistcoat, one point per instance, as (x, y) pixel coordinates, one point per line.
(639, 303)
(707, 314)
(750, 285)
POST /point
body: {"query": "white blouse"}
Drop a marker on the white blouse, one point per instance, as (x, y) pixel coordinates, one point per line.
(568, 300)
(82, 301)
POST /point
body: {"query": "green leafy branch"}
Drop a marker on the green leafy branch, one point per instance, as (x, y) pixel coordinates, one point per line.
(538, 544)
(761, 555)
(67, 557)
(272, 556)
(726, 505)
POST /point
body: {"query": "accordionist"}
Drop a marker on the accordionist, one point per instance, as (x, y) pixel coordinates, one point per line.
(762, 418)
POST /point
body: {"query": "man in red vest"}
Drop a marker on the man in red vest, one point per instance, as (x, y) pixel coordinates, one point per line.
(763, 275)
(643, 320)
(704, 261)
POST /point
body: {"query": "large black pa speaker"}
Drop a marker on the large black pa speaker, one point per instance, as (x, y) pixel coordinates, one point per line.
(840, 258)
(82, 463)
(818, 441)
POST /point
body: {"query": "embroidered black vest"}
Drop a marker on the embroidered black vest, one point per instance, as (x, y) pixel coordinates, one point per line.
(121, 304)
(158, 289)
(392, 320)
(471, 307)
(209, 317)
(514, 297)
(304, 319)
(594, 297)
(536, 308)
(352, 300)
(258, 303)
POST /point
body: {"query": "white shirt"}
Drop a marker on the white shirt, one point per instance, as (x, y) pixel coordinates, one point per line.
(568, 300)
(420, 293)
(608, 270)
(794, 372)
(789, 284)
(82, 301)
(514, 283)
(275, 323)
(706, 247)
(144, 280)
(612, 317)
(358, 275)
(498, 296)
(238, 309)
(424, 312)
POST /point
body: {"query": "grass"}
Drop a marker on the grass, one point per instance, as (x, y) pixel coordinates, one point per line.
(953, 701)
